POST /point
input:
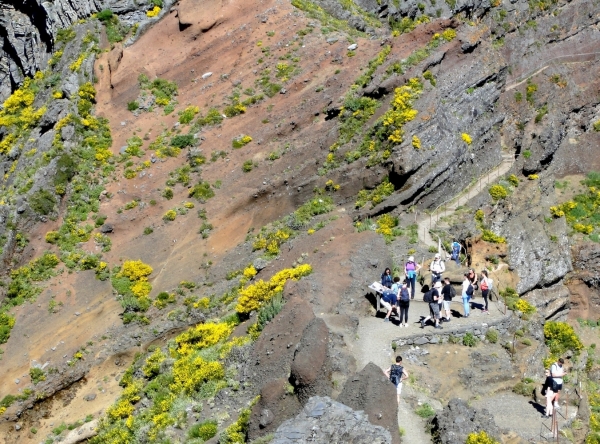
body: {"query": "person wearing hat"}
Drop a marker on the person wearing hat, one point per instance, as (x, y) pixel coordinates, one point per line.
(434, 307)
(437, 267)
(411, 269)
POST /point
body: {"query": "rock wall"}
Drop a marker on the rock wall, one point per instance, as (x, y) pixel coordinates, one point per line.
(28, 30)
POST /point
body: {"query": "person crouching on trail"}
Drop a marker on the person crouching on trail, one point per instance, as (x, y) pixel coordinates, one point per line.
(437, 267)
(389, 299)
(396, 374)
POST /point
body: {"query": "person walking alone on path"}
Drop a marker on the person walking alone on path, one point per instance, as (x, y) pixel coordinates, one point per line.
(437, 267)
(486, 286)
(557, 372)
(467, 292)
(403, 304)
(386, 278)
(411, 268)
(396, 373)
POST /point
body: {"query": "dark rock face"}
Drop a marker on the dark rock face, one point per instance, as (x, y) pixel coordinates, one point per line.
(28, 29)
(370, 391)
(457, 420)
(325, 421)
(311, 370)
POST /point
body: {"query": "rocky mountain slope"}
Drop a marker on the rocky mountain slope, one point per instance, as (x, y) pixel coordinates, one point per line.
(196, 195)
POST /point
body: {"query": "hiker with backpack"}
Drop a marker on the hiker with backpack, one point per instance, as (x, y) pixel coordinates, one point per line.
(411, 268)
(448, 292)
(455, 256)
(437, 267)
(467, 293)
(432, 297)
(396, 374)
(403, 304)
(485, 285)
(386, 278)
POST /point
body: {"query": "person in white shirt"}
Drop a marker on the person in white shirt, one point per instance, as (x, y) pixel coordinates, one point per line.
(437, 267)
(467, 292)
(557, 372)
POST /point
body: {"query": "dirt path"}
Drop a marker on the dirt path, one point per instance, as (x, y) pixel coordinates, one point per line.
(427, 222)
(412, 424)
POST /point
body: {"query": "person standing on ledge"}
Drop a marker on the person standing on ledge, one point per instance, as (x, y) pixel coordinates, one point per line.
(411, 268)
(437, 267)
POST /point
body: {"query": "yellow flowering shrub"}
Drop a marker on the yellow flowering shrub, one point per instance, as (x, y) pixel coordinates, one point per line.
(202, 303)
(189, 373)
(249, 272)
(533, 177)
(311, 231)
(466, 138)
(480, 438)
(235, 342)
(170, 216)
(201, 336)
(153, 12)
(416, 143)
(524, 307)
(76, 65)
(152, 366)
(188, 205)
(141, 289)
(121, 409)
(57, 95)
(449, 34)
(498, 192)
(136, 270)
(252, 297)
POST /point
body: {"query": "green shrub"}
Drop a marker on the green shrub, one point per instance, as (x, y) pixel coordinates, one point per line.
(492, 336)
(132, 106)
(183, 140)
(201, 191)
(247, 166)
(104, 15)
(42, 202)
(204, 430)
(526, 387)
(188, 114)
(425, 411)
(213, 117)
(513, 180)
(167, 193)
(37, 375)
(469, 340)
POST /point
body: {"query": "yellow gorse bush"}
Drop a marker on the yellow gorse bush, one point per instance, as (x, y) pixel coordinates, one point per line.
(136, 270)
(201, 336)
(480, 438)
(466, 138)
(153, 12)
(254, 296)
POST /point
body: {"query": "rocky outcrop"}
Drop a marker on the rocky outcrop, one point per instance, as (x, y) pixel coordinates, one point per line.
(325, 421)
(457, 420)
(311, 370)
(552, 302)
(371, 391)
(28, 30)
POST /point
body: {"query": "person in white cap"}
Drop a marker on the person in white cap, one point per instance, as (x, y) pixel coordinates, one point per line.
(434, 307)
(411, 268)
(437, 267)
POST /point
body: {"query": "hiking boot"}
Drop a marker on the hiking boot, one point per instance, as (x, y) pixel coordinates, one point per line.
(400, 326)
(386, 320)
(422, 324)
(447, 319)
(439, 327)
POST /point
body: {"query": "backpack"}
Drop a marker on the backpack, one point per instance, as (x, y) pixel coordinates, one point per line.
(428, 297)
(404, 296)
(490, 283)
(452, 292)
(484, 285)
(470, 290)
(396, 374)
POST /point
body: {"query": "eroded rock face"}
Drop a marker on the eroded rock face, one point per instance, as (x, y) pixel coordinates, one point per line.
(552, 302)
(325, 421)
(371, 391)
(311, 370)
(28, 29)
(457, 420)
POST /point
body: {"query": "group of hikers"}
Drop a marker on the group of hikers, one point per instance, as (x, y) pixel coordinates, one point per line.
(397, 294)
